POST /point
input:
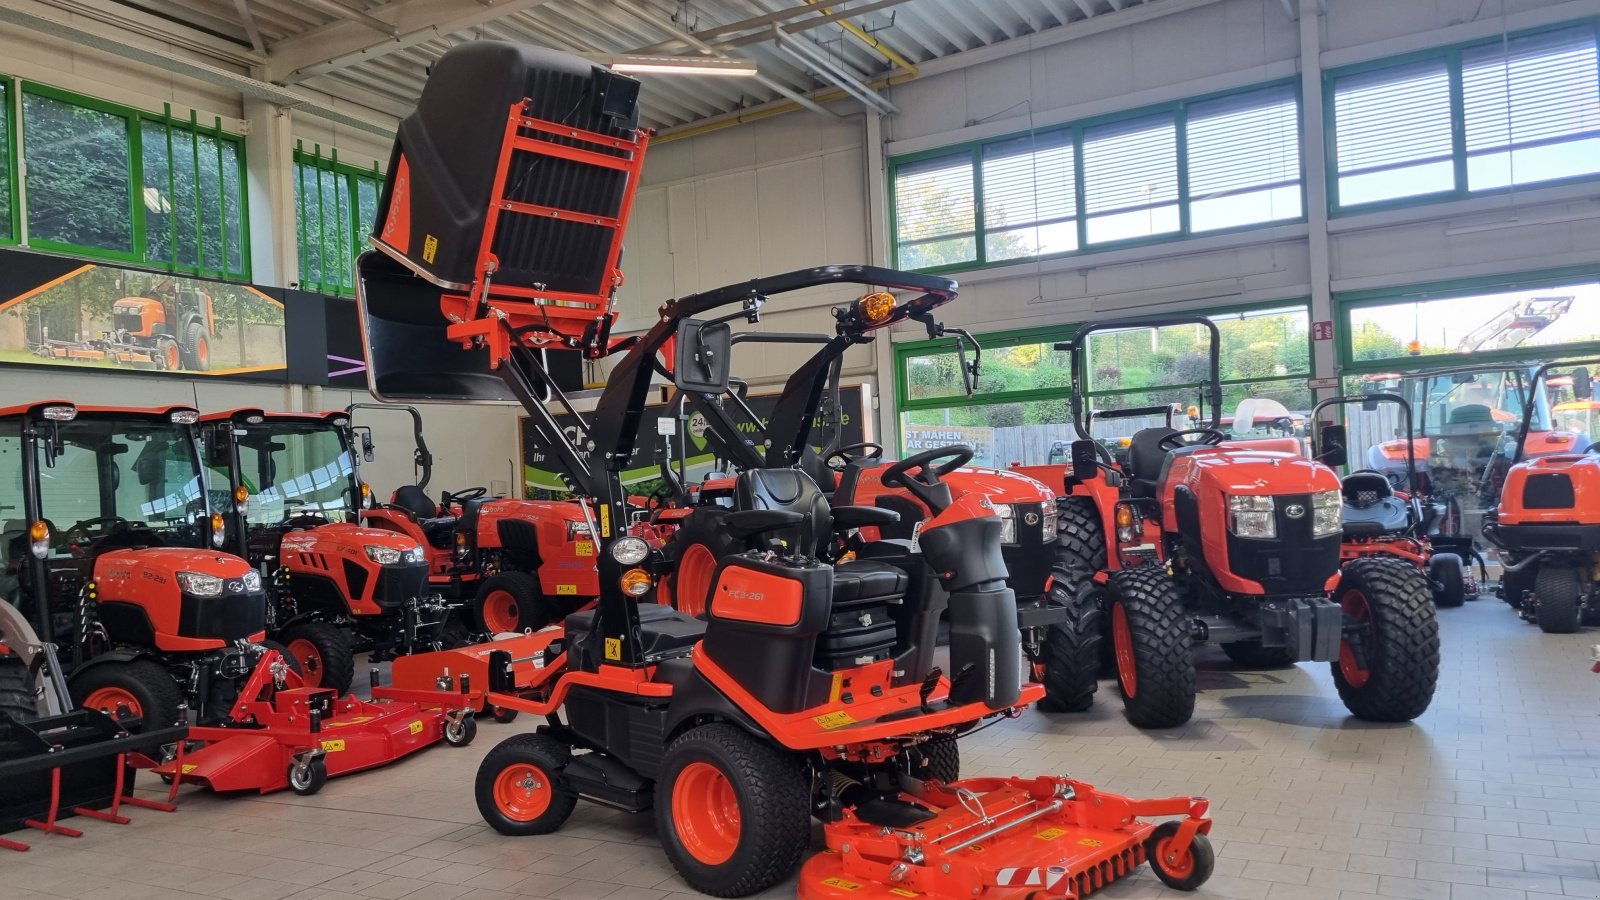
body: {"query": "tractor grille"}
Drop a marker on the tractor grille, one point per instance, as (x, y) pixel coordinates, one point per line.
(129, 322)
(1549, 491)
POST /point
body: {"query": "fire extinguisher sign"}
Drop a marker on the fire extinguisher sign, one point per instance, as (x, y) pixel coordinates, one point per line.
(1322, 331)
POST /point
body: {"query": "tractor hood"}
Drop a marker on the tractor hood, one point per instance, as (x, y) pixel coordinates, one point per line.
(1257, 472)
(343, 534)
(999, 485)
(1561, 489)
(156, 564)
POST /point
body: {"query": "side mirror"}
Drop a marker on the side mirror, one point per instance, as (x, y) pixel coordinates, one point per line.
(704, 352)
(367, 452)
(1334, 444)
(1582, 387)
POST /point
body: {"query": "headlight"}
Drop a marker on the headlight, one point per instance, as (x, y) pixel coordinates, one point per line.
(630, 551)
(577, 530)
(1047, 529)
(463, 549)
(1252, 517)
(200, 584)
(383, 556)
(414, 555)
(252, 580)
(1327, 514)
(1008, 522)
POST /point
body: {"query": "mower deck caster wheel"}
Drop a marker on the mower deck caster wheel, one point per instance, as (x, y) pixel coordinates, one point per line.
(460, 733)
(502, 715)
(1182, 869)
(309, 779)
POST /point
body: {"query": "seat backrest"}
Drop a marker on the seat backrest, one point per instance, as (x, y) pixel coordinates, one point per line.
(1471, 414)
(792, 490)
(1145, 456)
(415, 500)
(1364, 489)
(813, 464)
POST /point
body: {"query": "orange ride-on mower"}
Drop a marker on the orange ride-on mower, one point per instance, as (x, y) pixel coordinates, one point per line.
(514, 564)
(1547, 524)
(1201, 538)
(149, 612)
(1378, 520)
(739, 728)
(333, 586)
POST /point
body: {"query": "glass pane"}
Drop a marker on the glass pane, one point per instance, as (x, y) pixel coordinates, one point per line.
(310, 211)
(1018, 367)
(234, 205)
(1029, 182)
(1532, 109)
(157, 192)
(79, 175)
(6, 233)
(142, 471)
(1393, 132)
(1531, 318)
(1001, 434)
(1244, 159)
(187, 207)
(1256, 347)
(209, 166)
(293, 469)
(1130, 175)
(935, 199)
(366, 210)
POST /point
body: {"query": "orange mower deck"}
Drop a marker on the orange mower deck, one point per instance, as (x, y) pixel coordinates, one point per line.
(1040, 838)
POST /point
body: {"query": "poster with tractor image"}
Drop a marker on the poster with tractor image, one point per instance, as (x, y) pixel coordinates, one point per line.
(105, 316)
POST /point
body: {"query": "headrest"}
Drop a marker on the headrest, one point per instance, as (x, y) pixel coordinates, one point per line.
(1364, 489)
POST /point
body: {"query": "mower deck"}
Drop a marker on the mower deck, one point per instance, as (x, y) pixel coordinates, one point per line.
(1047, 838)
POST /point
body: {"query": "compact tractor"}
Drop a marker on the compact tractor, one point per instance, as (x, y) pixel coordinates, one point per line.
(169, 327)
(151, 614)
(1547, 523)
(782, 705)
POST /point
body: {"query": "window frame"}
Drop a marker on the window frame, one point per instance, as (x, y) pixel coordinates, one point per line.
(9, 88)
(196, 130)
(1178, 109)
(350, 176)
(1451, 55)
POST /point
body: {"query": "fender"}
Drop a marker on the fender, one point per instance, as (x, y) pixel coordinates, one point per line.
(118, 655)
(693, 698)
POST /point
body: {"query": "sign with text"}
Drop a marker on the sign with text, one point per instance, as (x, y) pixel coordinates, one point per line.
(980, 438)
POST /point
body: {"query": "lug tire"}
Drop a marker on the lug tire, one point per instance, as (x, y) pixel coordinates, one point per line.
(16, 690)
(1445, 569)
(146, 681)
(1559, 593)
(316, 775)
(1189, 871)
(692, 554)
(936, 760)
(197, 348)
(328, 660)
(1072, 648)
(770, 802)
(520, 789)
(507, 598)
(1402, 652)
(1155, 644)
(1251, 655)
(1081, 552)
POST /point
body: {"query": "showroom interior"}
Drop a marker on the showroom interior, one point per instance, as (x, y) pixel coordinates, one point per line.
(821, 448)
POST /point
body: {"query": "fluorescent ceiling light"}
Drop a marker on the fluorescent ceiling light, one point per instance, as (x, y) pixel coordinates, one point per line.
(684, 65)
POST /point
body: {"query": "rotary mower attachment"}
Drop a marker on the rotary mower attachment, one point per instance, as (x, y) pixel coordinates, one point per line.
(1044, 838)
(282, 734)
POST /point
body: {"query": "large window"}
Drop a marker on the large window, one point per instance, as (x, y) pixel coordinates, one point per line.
(193, 202)
(1512, 111)
(80, 181)
(1165, 173)
(8, 209)
(337, 205)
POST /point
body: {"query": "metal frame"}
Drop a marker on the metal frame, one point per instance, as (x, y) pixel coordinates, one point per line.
(11, 215)
(1532, 397)
(1079, 346)
(351, 178)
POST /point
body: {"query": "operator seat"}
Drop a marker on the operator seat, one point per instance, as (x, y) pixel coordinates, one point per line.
(439, 529)
(1145, 459)
(813, 465)
(1370, 506)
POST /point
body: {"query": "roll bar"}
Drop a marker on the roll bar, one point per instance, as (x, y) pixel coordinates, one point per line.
(1363, 399)
(1530, 399)
(1079, 345)
(420, 457)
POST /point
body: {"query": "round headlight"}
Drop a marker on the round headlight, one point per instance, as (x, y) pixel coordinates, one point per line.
(630, 551)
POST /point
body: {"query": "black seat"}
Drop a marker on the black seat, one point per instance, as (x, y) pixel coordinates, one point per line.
(663, 631)
(437, 525)
(1364, 489)
(415, 500)
(1145, 459)
(865, 579)
(794, 491)
(1370, 507)
(813, 465)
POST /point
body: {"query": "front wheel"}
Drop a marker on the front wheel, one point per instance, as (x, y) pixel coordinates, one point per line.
(1180, 868)
(1071, 652)
(1559, 594)
(520, 788)
(1151, 644)
(1388, 661)
(141, 686)
(510, 602)
(322, 651)
(1450, 580)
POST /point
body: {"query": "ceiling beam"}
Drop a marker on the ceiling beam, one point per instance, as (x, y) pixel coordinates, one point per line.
(129, 21)
(1087, 7)
(353, 15)
(758, 24)
(249, 22)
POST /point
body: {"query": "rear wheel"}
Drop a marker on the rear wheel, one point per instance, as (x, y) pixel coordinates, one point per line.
(733, 811)
(936, 760)
(1388, 662)
(323, 652)
(168, 357)
(1081, 552)
(1251, 655)
(1559, 593)
(510, 602)
(520, 789)
(1151, 644)
(141, 685)
(695, 549)
(1071, 652)
(1450, 580)
(16, 690)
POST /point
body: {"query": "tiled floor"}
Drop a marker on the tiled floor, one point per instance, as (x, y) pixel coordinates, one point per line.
(1494, 794)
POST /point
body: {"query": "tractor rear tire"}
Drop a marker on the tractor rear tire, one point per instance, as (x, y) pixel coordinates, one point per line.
(1151, 643)
(323, 651)
(1514, 586)
(936, 760)
(747, 805)
(1400, 644)
(1446, 570)
(693, 552)
(510, 602)
(520, 788)
(17, 698)
(1081, 552)
(144, 685)
(1251, 655)
(196, 348)
(1071, 652)
(1559, 593)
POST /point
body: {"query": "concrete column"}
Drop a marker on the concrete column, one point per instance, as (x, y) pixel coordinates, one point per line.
(1314, 145)
(269, 152)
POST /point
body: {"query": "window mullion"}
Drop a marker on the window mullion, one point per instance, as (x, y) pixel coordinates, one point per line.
(1081, 201)
(1458, 121)
(980, 251)
(1181, 127)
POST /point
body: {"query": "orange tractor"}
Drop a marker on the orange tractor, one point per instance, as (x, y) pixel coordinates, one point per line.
(169, 327)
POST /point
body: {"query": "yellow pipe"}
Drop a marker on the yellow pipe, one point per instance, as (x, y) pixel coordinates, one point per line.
(883, 49)
(767, 113)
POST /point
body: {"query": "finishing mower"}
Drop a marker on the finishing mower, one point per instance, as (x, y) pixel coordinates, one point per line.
(740, 728)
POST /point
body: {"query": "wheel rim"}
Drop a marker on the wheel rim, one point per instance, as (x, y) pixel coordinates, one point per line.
(107, 699)
(1355, 605)
(500, 612)
(705, 812)
(202, 352)
(522, 792)
(173, 359)
(1175, 862)
(310, 659)
(693, 583)
(1122, 643)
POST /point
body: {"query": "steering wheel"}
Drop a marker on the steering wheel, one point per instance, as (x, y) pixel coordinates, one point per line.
(847, 454)
(468, 494)
(1207, 437)
(920, 476)
(78, 532)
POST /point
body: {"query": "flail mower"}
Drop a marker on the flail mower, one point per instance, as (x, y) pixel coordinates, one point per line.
(738, 729)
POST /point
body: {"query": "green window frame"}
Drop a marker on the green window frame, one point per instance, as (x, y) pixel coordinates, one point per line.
(1444, 118)
(1068, 182)
(10, 209)
(149, 193)
(331, 229)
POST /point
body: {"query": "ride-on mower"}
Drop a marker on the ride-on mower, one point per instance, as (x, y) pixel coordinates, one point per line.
(780, 706)
(1381, 521)
(1199, 538)
(149, 611)
(1547, 524)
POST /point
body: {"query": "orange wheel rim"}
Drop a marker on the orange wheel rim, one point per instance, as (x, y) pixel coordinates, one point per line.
(309, 657)
(1122, 642)
(522, 792)
(705, 813)
(202, 351)
(693, 583)
(1177, 863)
(107, 699)
(500, 612)
(173, 360)
(1355, 605)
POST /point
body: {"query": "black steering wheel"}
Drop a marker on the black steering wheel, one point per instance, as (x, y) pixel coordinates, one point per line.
(1207, 437)
(468, 494)
(847, 454)
(81, 527)
(920, 476)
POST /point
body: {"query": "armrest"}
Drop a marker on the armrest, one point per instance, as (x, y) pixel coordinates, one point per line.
(748, 523)
(848, 517)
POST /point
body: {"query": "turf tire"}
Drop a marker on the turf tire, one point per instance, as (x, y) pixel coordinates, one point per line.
(1158, 636)
(533, 613)
(333, 648)
(149, 683)
(1559, 593)
(542, 752)
(701, 529)
(1403, 656)
(1445, 570)
(938, 760)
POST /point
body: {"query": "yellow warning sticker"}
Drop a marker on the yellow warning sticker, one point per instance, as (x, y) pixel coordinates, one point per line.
(567, 589)
(416, 727)
(902, 892)
(430, 248)
(1090, 842)
(605, 521)
(834, 720)
(189, 767)
(585, 548)
(1050, 834)
(837, 689)
(841, 884)
(334, 746)
(613, 648)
